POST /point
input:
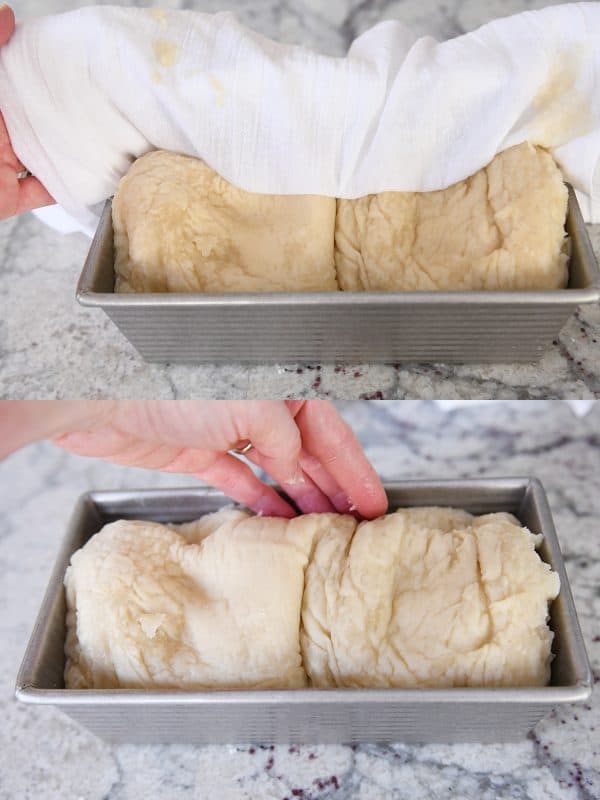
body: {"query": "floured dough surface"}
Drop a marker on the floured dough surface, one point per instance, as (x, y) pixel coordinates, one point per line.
(180, 227)
(206, 605)
(503, 228)
(426, 597)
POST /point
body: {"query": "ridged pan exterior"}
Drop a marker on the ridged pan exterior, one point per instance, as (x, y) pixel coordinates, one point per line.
(308, 715)
(342, 327)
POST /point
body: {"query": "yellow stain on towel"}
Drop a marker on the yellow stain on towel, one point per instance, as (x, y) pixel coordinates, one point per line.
(562, 110)
(219, 90)
(166, 53)
(159, 14)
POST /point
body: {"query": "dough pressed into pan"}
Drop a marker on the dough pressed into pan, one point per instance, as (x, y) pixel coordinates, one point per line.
(503, 228)
(180, 227)
(428, 597)
(213, 604)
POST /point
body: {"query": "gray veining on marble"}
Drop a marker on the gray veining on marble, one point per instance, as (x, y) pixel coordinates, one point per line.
(45, 755)
(50, 347)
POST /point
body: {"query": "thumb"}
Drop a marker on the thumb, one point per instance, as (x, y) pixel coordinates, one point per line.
(7, 23)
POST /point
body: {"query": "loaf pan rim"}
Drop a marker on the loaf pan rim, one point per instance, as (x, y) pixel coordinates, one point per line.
(27, 692)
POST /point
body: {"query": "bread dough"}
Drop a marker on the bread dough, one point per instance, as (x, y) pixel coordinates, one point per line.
(180, 227)
(428, 597)
(422, 597)
(205, 605)
(503, 228)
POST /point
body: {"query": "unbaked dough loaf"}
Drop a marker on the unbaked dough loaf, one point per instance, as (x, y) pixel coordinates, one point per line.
(180, 227)
(421, 597)
(205, 605)
(428, 597)
(503, 228)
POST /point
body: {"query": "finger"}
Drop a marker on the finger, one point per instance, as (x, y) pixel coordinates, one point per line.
(236, 480)
(17, 196)
(271, 428)
(294, 406)
(8, 191)
(220, 470)
(218, 425)
(7, 24)
(129, 450)
(7, 154)
(331, 441)
(302, 490)
(326, 483)
(276, 449)
(32, 195)
(306, 494)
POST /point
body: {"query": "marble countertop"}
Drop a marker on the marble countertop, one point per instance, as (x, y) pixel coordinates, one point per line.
(50, 347)
(43, 754)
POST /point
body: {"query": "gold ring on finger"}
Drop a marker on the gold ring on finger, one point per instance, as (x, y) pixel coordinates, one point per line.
(242, 448)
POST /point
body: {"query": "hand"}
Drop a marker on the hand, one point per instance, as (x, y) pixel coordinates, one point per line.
(305, 446)
(16, 196)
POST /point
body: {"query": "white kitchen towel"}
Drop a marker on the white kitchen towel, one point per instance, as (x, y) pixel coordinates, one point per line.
(85, 93)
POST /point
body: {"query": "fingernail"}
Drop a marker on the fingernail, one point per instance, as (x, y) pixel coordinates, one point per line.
(342, 502)
(273, 507)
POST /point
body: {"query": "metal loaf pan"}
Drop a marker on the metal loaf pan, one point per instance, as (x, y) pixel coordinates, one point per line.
(351, 327)
(307, 715)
